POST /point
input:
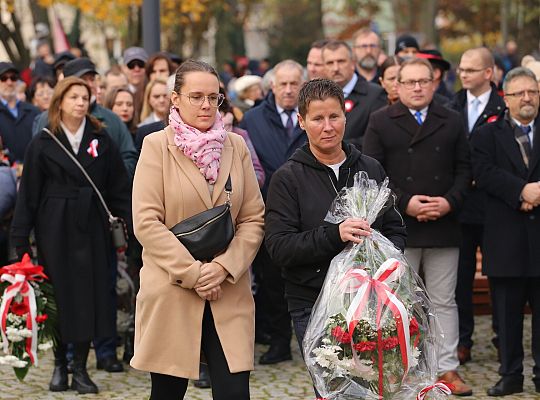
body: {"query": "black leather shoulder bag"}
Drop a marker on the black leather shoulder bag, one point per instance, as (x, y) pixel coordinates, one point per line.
(208, 233)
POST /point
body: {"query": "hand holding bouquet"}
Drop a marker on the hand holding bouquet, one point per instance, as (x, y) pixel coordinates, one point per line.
(371, 334)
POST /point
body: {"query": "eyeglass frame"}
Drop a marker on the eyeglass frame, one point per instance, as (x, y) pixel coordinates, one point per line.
(372, 46)
(411, 84)
(469, 71)
(521, 94)
(11, 77)
(220, 98)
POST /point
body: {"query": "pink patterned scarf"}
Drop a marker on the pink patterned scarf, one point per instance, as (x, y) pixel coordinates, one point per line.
(204, 148)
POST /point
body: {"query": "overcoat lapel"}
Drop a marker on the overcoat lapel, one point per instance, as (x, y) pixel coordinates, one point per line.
(535, 154)
(189, 169)
(404, 119)
(511, 148)
(432, 123)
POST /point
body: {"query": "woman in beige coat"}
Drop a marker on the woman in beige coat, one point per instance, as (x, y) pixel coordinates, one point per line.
(187, 306)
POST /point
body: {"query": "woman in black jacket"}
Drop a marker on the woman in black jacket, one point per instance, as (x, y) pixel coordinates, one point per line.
(71, 227)
(301, 192)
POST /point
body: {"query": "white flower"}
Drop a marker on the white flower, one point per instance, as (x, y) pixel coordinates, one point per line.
(415, 356)
(45, 346)
(12, 361)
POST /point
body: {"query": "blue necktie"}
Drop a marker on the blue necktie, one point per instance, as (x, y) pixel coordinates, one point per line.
(474, 113)
(290, 124)
(418, 116)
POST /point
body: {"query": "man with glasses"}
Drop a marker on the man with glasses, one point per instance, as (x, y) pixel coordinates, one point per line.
(506, 166)
(275, 133)
(361, 97)
(478, 102)
(423, 148)
(367, 48)
(16, 117)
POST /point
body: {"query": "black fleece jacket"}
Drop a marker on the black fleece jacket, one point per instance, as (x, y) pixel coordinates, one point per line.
(297, 237)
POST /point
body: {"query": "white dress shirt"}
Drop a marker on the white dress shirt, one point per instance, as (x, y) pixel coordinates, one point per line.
(74, 138)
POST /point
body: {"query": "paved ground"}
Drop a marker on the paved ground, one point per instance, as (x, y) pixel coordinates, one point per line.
(286, 381)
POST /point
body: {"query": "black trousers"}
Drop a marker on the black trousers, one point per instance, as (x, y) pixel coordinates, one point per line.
(510, 295)
(225, 385)
(275, 305)
(471, 239)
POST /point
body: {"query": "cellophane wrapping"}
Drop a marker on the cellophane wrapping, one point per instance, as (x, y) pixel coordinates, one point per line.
(372, 332)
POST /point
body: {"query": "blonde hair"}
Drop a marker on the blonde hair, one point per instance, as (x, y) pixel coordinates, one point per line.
(147, 108)
(60, 90)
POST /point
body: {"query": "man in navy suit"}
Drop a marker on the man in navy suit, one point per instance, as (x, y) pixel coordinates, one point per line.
(506, 166)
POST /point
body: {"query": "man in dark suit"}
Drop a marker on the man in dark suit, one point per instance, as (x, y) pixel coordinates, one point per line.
(361, 97)
(423, 148)
(506, 165)
(275, 133)
(478, 103)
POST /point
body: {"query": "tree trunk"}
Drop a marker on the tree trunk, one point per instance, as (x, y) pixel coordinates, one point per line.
(13, 42)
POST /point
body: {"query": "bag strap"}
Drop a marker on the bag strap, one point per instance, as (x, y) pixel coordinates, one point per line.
(78, 164)
(228, 189)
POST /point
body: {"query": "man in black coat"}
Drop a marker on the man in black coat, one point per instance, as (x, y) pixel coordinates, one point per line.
(478, 103)
(423, 148)
(361, 97)
(275, 133)
(506, 164)
(16, 117)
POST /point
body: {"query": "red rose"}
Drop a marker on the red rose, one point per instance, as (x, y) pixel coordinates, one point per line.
(349, 105)
(19, 308)
(41, 318)
(390, 343)
(413, 326)
(365, 346)
(341, 335)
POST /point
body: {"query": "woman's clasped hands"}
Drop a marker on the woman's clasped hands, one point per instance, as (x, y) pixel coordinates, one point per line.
(208, 287)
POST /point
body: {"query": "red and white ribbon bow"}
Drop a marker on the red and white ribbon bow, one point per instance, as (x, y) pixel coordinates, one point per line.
(359, 281)
(19, 275)
(439, 386)
(92, 149)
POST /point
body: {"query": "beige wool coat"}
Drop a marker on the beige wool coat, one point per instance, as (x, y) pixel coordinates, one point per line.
(167, 189)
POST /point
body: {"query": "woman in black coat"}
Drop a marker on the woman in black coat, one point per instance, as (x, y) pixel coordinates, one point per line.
(70, 224)
(301, 192)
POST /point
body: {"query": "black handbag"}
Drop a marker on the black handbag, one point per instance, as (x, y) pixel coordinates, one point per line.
(119, 235)
(207, 234)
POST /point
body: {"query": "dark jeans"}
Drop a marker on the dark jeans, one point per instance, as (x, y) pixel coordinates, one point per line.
(471, 240)
(300, 320)
(510, 295)
(275, 305)
(225, 385)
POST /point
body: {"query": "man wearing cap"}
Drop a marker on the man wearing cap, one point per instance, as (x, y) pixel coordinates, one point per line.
(440, 66)
(16, 117)
(60, 59)
(275, 133)
(314, 62)
(367, 48)
(479, 103)
(135, 59)
(406, 46)
(361, 97)
(85, 69)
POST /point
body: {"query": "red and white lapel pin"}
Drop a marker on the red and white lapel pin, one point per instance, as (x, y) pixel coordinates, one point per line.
(92, 149)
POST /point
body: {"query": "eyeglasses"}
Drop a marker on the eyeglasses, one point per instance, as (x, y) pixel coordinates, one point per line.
(135, 63)
(423, 83)
(367, 46)
(197, 99)
(521, 93)
(468, 71)
(12, 78)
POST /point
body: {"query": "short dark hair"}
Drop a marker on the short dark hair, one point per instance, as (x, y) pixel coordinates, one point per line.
(319, 44)
(191, 66)
(319, 89)
(390, 62)
(416, 61)
(333, 45)
(43, 80)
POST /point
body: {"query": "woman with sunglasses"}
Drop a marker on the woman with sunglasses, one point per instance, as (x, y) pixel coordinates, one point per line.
(188, 306)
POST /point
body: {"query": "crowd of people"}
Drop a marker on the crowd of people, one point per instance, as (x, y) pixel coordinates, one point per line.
(164, 140)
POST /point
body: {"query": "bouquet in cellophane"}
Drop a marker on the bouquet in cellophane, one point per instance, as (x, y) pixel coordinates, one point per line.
(27, 315)
(372, 333)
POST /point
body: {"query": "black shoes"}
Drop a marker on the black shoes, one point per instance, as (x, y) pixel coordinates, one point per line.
(275, 354)
(110, 364)
(507, 385)
(204, 378)
(262, 338)
(80, 381)
(59, 380)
